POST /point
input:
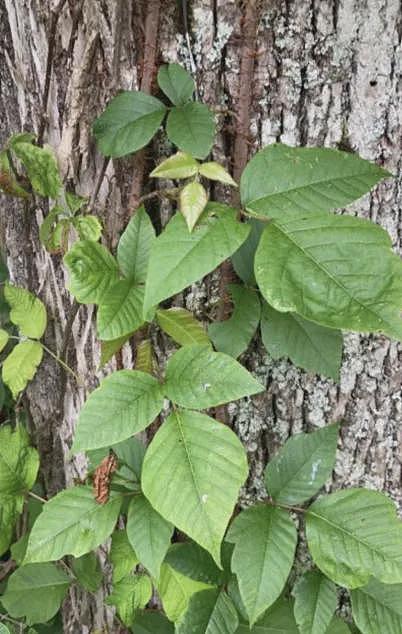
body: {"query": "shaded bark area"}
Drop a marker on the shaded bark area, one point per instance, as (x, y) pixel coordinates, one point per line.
(325, 73)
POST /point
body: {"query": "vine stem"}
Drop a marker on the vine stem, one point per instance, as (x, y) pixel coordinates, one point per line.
(61, 362)
(37, 497)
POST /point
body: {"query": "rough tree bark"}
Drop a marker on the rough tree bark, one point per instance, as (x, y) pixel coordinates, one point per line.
(325, 72)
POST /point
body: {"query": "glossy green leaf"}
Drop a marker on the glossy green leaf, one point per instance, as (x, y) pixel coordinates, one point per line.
(233, 336)
(192, 561)
(338, 271)
(282, 181)
(148, 533)
(120, 311)
(315, 603)
(19, 462)
(308, 345)
(124, 559)
(93, 271)
(88, 571)
(129, 595)
(192, 128)
(27, 311)
(193, 200)
(355, 534)
(129, 122)
(182, 326)
(243, 258)
(72, 523)
(88, 227)
(180, 165)
(21, 364)
(109, 348)
(175, 591)
(176, 83)
(337, 626)
(134, 246)
(209, 612)
(278, 619)
(3, 339)
(185, 451)
(378, 608)
(152, 622)
(35, 592)
(171, 269)
(125, 403)
(41, 166)
(215, 172)
(302, 466)
(197, 377)
(265, 539)
(144, 356)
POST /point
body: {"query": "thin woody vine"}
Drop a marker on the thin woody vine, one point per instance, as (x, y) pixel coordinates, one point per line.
(306, 273)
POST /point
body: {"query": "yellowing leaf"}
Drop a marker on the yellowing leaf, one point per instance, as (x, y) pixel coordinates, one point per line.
(216, 172)
(178, 166)
(3, 339)
(193, 199)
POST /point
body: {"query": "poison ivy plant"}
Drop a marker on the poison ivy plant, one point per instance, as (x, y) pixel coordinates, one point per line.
(305, 275)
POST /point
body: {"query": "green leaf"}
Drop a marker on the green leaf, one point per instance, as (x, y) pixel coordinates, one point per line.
(109, 348)
(337, 626)
(192, 129)
(218, 234)
(209, 612)
(215, 172)
(151, 622)
(197, 377)
(21, 364)
(355, 534)
(205, 465)
(176, 83)
(40, 164)
(178, 166)
(88, 571)
(129, 595)
(129, 122)
(27, 311)
(134, 246)
(335, 270)
(310, 346)
(193, 200)
(130, 454)
(243, 259)
(75, 202)
(8, 182)
(175, 591)
(35, 592)
(144, 356)
(93, 271)
(120, 310)
(302, 466)
(19, 462)
(182, 326)
(315, 603)
(88, 227)
(148, 533)
(125, 403)
(193, 561)
(378, 608)
(233, 335)
(4, 629)
(278, 619)
(282, 181)
(122, 556)
(265, 539)
(10, 507)
(72, 523)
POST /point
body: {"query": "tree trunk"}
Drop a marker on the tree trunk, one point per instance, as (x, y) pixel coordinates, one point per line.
(323, 73)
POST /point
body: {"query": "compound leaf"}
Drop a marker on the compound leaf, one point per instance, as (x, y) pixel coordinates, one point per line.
(128, 123)
(197, 377)
(282, 181)
(134, 246)
(125, 403)
(315, 603)
(27, 311)
(355, 534)
(182, 326)
(192, 128)
(176, 83)
(21, 364)
(265, 539)
(93, 271)
(204, 465)
(308, 345)
(71, 523)
(302, 466)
